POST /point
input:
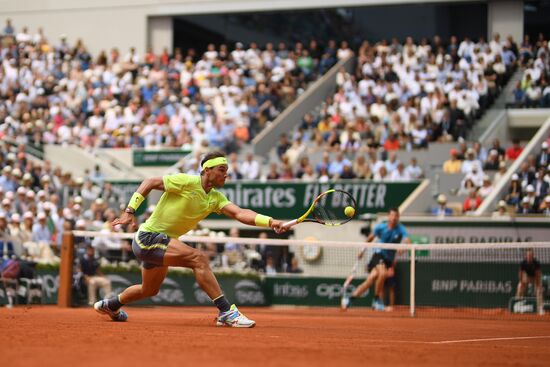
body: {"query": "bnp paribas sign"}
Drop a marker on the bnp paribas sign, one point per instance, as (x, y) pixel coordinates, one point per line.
(291, 199)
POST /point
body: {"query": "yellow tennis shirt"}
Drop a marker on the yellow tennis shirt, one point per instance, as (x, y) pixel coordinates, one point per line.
(183, 204)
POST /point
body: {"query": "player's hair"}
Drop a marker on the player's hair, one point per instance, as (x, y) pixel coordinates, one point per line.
(211, 155)
(393, 209)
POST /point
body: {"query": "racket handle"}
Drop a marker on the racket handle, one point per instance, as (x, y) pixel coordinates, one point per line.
(290, 223)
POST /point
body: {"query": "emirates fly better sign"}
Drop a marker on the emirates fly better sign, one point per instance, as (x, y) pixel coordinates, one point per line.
(290, 200)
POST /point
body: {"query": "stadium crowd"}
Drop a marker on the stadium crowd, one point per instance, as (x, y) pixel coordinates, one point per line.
(402, 96)
(533, 90)
(59, 93)
(528, 192)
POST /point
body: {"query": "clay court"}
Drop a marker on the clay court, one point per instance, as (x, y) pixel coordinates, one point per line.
(164, 336)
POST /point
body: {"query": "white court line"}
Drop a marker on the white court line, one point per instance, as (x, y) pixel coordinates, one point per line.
(490, 339)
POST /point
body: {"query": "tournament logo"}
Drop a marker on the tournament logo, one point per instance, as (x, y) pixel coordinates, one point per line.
(249, 292)
(170, 292)
(200, 296)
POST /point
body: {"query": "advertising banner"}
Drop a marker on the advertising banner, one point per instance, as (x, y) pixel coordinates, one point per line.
(158, 158)
(310, 291)
(290, 200)
(176, 290)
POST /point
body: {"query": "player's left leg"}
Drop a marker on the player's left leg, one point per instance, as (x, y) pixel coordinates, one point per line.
(151, 280)
(180, 254)
(363, 287)
(360, 290)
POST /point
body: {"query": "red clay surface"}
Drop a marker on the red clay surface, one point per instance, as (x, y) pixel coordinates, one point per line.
(169, 336)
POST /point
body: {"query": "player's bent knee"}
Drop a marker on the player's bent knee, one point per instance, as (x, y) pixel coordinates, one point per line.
(150, 292)
(200, 260)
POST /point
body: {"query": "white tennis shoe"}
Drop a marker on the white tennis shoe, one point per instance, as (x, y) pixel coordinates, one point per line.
(234, 318)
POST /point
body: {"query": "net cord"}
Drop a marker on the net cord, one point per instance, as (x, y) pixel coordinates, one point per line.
(337, 244)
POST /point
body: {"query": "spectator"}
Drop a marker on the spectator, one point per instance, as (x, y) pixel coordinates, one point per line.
(526, 207)
(93, 276)
(413, 170)
(347, 173)
(294, 267)
(336, 167)
(526, 174)
(495, 145)
(471, 163)
(540, 185)
(513, 152)
(283, 146)
(492, 163)
(543, 159)
(452, 165)
(501, 171)
(531, 195)
(270, 266)
(40, 230)
(487, 187)
(442, 211)
(501, 212)
(399, 174)
(273, 173)
(545, 207)
(515, 191)
(233, 254)
(250, 168)
(472, 202)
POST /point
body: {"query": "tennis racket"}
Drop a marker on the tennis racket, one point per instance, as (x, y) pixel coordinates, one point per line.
(328, 209)
(352, 272)
(351, 275)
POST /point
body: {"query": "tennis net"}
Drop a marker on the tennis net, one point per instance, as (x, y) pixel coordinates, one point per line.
(449, 280)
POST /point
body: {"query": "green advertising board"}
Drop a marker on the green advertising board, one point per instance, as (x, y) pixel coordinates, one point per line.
(157, 158)
(125, 190)
(177, 289)
(290, 200)
(438, 284)
(310, 291)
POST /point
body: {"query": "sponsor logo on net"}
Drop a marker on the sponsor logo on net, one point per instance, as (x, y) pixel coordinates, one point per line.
(200, 296)
(249, 292)
(324, 290)
(170, 291)
(472, 286)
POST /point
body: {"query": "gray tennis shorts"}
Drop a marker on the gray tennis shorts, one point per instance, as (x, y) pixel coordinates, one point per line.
(150, 247)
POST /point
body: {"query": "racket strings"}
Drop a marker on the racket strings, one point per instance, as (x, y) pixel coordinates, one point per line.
(330, 210)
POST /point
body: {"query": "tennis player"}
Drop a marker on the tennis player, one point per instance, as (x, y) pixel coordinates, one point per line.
(382, 263)
(185, 202)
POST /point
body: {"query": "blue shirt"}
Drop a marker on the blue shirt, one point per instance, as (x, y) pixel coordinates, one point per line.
(386, 235)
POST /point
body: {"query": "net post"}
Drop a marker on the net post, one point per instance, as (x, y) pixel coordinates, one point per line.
(66, 271)
(413, 281)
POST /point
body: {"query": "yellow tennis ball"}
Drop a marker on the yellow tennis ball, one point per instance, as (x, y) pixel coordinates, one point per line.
(349, 211)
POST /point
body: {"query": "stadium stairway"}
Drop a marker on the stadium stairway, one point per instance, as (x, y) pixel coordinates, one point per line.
(291, 117)
(76, 160)
(493, 116)
(527, 118)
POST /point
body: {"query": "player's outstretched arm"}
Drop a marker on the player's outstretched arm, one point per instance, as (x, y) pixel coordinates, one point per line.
(250, 217)
(153, 183)
(370, 238)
